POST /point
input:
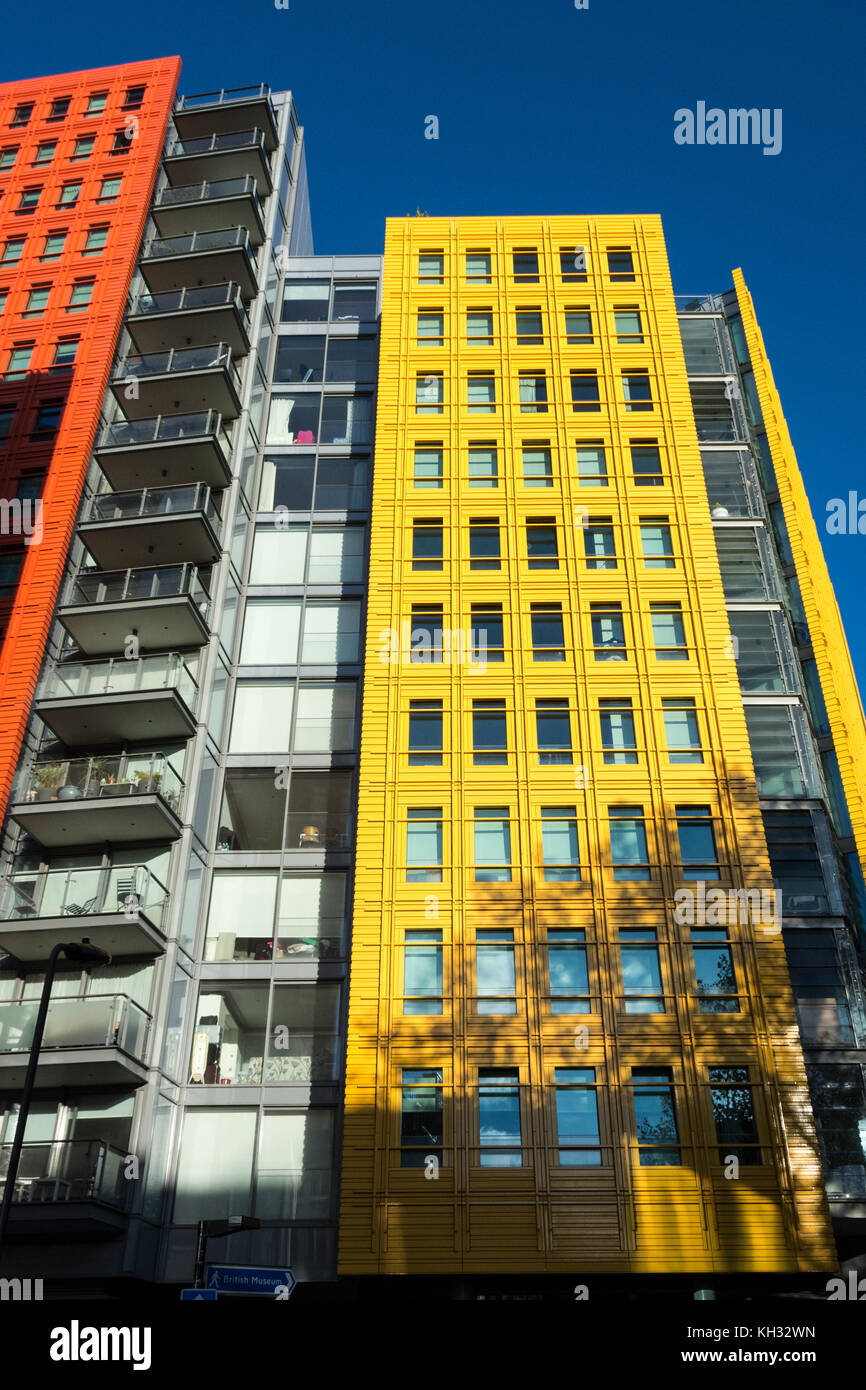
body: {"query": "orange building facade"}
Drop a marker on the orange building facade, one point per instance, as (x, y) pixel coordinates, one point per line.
(79, 154)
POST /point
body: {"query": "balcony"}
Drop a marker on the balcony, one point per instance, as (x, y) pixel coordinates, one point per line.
(201, 258)
(166, 606)
(128, 528)
(121, 798)
(117, 701)
(186, 448)
(67, 1187)
(207, 113)
(197, 317)
(206, 207)
(211, 158)
(120, 909)
(97, 1041)
(183, 380)
(719, 417)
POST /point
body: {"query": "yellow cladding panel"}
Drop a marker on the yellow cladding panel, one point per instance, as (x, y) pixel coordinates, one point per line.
(538, 496)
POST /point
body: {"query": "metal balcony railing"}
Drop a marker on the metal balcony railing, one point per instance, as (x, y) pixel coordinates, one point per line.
(699, 303)
(224, 96)
(99, 1020)
(197, 242)
(195, 359)
(152, 502)
(208, 190)
(137, 585)
(178, 301)
(116, 676)
(68, 1170)
(163, 428)
(83, 893)
(215, 144)
(104, 775)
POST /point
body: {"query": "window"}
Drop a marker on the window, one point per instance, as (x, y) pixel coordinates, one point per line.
(425, 733)
(306, 301)
(431, 268)
(122, 141)
(796, 861)
(489, 733)
(584, 391)
(37, 300)
(29, 199)
(6, 418)
(10, 569)
(420, 1116)
(714, 971)
(431, 329)
(426, 633)
(4, 295)
(839, 1104)
(529, 325)
(48, 417)
(7, 156)
(628, 844)
(697, 842)
(69, 195)
(572, 265)
(608, 631)
(628, 325)
(636, 391)
(483, 465)
(494, 972)
(567, 967)
(775, 753)
(548, 636)
(109, 189)
(354, 302)
(484, 552)
(83, 148)
(560, 855)
(492, 844)
(537, 465)
(81, 294)
(620, 265)
(422, 972)
(819, 989)
(592, 465)
(427, 543)
(578, 326)
(64, 353)
(133, 98)
(13, 249)
(618, 740)
(22, 113)
(541, 547)
(54, 244)
(669, 632)
(428, 465)
(741, 564)
(481, 393)
(45, 153)
(682, 734)
(577, 1117)
(19, 360)
(499, 1119)
(655, 1116)
(646, 463)
(429, 393)
(553, 732)
(30, 487)
(525, 267)
(488, 626)
(96, 103)
(599, 544)
(532, 393)
(641, 971)
(656, 543)
(59, 108)
(734, 1115)
(479, 328)
(478, 268)
(424, 844)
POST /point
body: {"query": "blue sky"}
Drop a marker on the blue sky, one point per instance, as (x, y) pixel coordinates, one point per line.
(547, 109)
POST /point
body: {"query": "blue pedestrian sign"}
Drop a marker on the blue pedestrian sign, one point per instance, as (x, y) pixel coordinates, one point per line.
(270, 1283)
(198, 1296)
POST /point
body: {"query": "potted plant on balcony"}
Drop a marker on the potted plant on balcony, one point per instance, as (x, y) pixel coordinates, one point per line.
(47, 778)
(147, 781)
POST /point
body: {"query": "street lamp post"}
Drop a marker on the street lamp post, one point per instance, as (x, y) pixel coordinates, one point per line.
(80, 951)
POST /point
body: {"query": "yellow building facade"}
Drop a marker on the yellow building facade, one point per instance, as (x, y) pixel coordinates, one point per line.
(566, 1049)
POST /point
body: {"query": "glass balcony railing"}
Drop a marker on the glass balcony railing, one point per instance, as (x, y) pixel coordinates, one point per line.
(215, 144)
(84, 893)
(698, 303)
(223, 97)
(205, 191)
(194, 359)
(180, 301)
(195, 243)
(161, 429)
(99, 1020)
(116, 676)
(140, 585)
(103, 775)
(68, 1170)
(152, 502)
